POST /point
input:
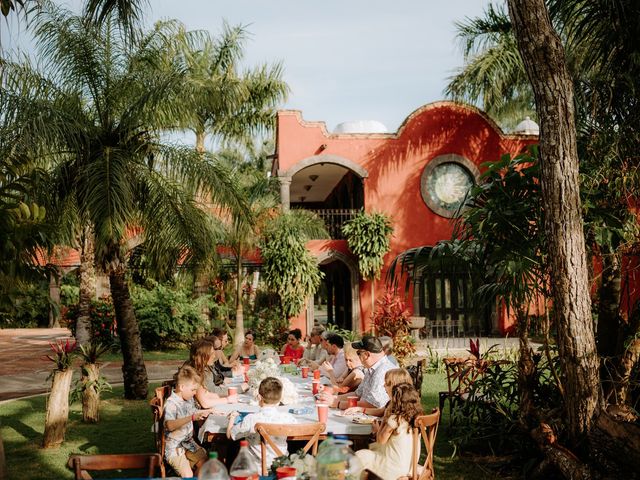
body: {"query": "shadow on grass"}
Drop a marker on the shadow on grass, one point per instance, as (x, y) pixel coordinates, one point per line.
(124, 427)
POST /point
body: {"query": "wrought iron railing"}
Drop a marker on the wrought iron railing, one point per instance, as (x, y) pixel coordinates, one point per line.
(334, 218)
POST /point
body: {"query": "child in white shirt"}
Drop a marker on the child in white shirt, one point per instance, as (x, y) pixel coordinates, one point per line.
(269, 395)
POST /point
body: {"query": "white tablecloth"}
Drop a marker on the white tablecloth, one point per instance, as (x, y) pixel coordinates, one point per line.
(336, 424)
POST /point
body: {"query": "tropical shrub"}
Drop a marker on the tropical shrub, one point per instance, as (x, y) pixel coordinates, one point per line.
(369, 236)
(391, 318)
(290, 271)
(29, 307)
(102, 318)
(168, 316)
(271, 328)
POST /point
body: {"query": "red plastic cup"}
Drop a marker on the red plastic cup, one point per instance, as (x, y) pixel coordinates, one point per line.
(305, 371)
(245, 360)
(287, 359)
(246, 378)
(352, 401)
(245, 368)
(315, 386)
(285, 472)
(316, 374)
(233, 391)
(323, 412)
(281, 358)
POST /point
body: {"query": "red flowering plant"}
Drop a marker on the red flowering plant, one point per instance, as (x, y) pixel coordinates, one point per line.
(391, 319)
(63, 353)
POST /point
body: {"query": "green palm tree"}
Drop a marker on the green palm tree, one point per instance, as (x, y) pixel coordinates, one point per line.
(218, 98)
(97, 110)
(242, 230)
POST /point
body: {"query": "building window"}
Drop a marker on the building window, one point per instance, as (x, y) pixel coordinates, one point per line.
(445, 182)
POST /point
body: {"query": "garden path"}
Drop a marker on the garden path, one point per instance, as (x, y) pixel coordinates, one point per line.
(24, 371)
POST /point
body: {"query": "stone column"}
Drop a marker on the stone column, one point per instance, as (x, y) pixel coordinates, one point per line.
(285, 185)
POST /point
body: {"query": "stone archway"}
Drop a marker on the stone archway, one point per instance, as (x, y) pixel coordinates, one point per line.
(327, 257)
(286, 176)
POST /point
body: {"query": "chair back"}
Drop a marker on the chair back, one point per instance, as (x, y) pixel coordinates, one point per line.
(426, 429)
(82, 464)
(461, 373)
(417, 372)
(304, 431)
(164, 392)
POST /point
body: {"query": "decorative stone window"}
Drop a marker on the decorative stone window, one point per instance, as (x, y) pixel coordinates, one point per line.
(445, 182)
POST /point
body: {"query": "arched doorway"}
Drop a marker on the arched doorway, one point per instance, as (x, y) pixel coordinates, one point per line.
(337, 300)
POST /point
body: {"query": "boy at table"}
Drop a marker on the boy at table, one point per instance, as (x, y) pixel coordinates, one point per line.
(269, 394)
(181, 451)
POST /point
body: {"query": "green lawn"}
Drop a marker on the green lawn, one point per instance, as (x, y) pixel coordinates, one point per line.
(125, 426)
(150, 355)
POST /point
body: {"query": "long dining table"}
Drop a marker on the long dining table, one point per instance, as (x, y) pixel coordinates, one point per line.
(215, 426)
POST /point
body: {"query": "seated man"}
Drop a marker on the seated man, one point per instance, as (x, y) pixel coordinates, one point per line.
(314, 354)
(338, 364)
(371, 392)
(269, 394)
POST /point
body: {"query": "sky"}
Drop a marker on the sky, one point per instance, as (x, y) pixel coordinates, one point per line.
(344, 60)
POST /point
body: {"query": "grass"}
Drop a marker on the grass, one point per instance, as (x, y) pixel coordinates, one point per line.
(150, 355)
(125, 426)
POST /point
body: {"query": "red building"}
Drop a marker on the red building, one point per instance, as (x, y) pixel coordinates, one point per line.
(417, 176)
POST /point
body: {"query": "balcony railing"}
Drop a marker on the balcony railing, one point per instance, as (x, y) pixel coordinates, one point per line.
(334, 218)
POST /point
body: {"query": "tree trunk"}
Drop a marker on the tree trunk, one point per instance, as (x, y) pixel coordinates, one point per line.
(616, 441)
(134, 372)
(87, 276)
(254, 288)
(55, 423)
(543, 56)
(239, 333)
(526, 371)
(90, 393)
(200, 137)
(54, 298)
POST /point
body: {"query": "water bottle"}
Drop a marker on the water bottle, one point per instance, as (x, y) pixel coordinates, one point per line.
(243, 467)
(337, 461)
(326, 443)
(213, 469)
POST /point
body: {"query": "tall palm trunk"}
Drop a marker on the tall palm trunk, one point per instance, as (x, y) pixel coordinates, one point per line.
(239, 333)
(55, 423)
(200, 138)
(134, 372)
(543, 56)
(87, 276)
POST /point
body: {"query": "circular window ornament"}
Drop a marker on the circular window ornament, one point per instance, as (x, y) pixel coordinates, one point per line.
(445, 182)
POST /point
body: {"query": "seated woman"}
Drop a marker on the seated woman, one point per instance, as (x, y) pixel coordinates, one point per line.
(350, 380)
(247, 349)
(202, 358)
(223, 364)
(391, 379)
(292, 348)
(388, 457)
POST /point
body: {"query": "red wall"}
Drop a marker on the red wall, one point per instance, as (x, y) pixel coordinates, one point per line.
(395, 163)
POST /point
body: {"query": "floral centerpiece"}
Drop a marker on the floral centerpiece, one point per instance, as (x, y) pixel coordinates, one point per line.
(269, 368)
(304, 463)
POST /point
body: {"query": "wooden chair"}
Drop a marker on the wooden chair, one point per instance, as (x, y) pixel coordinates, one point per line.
(426, 428)
(157, 411)
(82, 464)
(461, 374)
(164, 392)
(417, 372)
(305, 431)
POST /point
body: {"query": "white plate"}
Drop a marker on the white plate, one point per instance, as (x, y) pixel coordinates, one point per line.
(360, 420)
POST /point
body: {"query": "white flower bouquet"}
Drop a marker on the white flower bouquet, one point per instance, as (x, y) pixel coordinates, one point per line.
(305, 464)
(269, 368)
